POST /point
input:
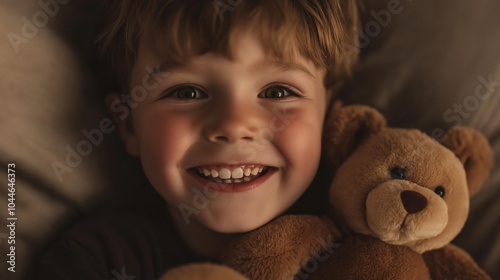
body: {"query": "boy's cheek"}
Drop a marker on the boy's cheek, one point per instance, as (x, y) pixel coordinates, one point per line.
(300, 141)
(163, 140)
(159, 127)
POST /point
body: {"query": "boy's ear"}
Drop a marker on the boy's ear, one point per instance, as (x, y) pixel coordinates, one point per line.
(473, 151)
(121, 115)
(346, 127)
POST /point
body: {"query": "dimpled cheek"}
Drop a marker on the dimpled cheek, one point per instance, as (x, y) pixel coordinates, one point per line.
(163, 140)
(300, 144)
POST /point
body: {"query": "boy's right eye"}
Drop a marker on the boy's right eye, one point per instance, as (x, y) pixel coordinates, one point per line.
(186, 93)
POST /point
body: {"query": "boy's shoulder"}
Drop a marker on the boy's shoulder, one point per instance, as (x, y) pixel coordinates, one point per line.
(115, 246)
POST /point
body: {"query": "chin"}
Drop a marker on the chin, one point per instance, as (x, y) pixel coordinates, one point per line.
(234, 223)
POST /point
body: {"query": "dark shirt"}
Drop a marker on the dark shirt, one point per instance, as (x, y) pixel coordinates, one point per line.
(120, 247)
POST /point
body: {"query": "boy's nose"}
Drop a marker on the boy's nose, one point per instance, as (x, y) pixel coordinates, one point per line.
(232, 124)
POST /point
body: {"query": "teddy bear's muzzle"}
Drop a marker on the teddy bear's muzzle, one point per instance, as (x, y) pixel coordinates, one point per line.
(400, 212)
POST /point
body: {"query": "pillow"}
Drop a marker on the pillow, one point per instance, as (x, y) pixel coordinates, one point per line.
(47, 113)
(431, 65)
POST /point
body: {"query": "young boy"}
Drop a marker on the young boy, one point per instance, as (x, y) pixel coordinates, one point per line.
(224, 107)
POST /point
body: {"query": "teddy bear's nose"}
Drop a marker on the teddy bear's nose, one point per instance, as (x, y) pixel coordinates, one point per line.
(413, 201)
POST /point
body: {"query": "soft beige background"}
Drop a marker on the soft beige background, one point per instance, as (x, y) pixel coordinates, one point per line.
(44, 105)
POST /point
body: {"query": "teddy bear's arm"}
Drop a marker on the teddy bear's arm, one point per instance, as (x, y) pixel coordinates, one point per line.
(363, 257)
(451, 262)
(279, 249)
(206, 271)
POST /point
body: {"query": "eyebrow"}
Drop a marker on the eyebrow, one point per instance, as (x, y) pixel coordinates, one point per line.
(284, 66)
(161, 69)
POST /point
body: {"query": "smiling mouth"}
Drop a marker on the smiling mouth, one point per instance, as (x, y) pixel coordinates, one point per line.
(231, 174)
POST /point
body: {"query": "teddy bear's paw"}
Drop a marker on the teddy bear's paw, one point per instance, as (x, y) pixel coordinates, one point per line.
(451, 262)
(366, 258)
(279, 249)
(202, 271)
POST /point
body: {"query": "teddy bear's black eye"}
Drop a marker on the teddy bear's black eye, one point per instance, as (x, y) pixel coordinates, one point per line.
(398, 173)
(439, 191)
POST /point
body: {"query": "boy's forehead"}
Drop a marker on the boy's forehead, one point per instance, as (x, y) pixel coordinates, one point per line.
(246, 49)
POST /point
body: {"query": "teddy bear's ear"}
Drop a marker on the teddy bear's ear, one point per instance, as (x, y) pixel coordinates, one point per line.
(346, 128)
(473, 151)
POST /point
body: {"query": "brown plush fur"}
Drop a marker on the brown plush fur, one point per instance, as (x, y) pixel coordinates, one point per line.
(376, 207)
(344, 131)
(260, 255)
(377, 210)
(202, 271)
(462, 265)
(473, 151)
(399, 218)
(381, 261)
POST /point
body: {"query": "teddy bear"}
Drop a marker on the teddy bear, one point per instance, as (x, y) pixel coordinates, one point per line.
(202, 271)
(398, 198)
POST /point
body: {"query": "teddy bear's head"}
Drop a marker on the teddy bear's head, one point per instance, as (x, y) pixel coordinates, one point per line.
(400, 185)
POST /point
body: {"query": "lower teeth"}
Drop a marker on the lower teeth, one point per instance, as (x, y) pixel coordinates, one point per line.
(230, 181)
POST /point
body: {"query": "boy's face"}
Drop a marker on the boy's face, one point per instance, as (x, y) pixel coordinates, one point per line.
(254, 118)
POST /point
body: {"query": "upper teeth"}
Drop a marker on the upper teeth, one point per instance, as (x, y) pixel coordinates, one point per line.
(226, 173)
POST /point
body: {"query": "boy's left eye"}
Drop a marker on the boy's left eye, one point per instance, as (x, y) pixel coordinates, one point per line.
(185, 93)
(277, 92)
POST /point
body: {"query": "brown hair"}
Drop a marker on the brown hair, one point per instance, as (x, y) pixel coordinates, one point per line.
(324, 31)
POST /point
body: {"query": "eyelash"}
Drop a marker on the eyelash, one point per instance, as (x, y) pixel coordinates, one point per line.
(198, 92)
(292, 92)
(170, 93)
